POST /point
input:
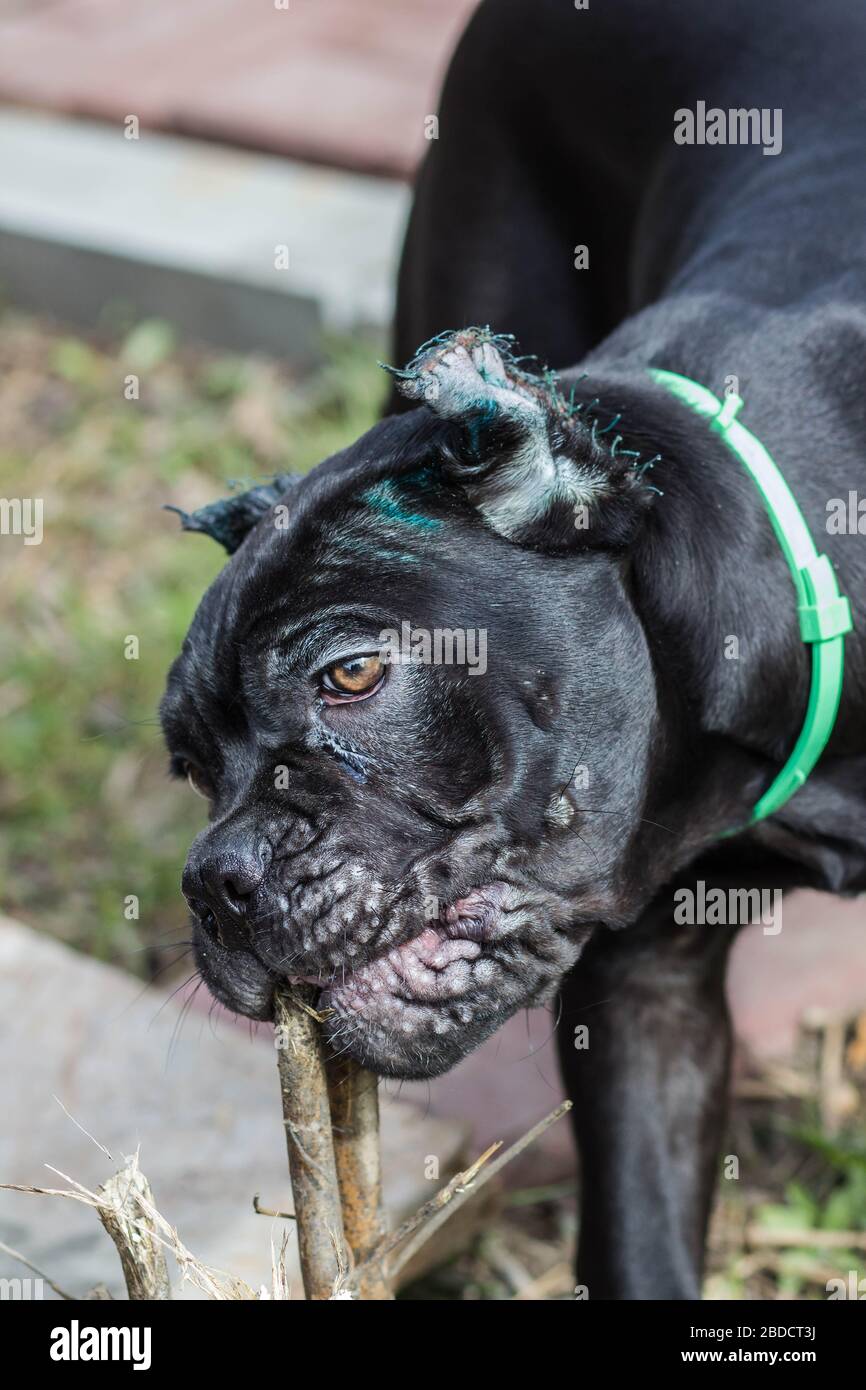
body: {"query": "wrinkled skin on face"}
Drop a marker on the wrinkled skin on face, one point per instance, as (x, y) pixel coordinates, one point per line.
(434, 852)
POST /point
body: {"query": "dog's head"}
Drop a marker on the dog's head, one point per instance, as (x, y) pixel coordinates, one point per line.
(420, 706)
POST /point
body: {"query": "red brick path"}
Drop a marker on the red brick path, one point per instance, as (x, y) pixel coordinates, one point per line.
(341, 82)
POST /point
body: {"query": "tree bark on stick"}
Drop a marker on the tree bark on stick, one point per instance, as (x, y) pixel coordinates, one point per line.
(307, 1119)
(354, 1097)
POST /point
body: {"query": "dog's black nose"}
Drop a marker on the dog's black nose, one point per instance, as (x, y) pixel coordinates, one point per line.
(230, 884)
(222, 886)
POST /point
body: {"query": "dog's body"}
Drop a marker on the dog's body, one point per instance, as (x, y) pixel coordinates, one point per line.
(340, 811)
(557, 130)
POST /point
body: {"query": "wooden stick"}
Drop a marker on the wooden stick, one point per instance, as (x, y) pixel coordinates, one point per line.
(307, 1118)
(125, 1212)
(354, 1098)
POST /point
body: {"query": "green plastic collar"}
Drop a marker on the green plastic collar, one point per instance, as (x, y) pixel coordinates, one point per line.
(824, 612)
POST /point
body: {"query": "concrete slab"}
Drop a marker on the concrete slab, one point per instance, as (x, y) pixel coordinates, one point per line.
(203, 1105)
(252, 252)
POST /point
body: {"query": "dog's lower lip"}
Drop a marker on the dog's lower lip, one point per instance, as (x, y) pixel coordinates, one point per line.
(431, 965)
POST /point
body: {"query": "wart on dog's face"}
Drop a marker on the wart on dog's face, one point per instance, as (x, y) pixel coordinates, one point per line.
(403, 828)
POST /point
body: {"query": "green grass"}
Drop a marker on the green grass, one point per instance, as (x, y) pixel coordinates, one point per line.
(89, 815)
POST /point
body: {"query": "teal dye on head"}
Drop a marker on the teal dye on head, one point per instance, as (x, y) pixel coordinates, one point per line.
(385, 497)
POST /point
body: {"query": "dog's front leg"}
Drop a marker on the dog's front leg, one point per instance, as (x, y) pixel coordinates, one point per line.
(645, 1046)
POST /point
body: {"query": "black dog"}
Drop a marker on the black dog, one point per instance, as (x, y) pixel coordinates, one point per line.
(438, 841)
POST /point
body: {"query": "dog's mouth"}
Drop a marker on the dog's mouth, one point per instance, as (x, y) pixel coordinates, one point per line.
(407, 1012)
(417, 1007)
(431, 965)
(459, 933)
(420, 1005)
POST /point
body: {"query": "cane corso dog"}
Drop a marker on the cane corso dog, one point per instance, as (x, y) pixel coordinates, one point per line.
(482, 699)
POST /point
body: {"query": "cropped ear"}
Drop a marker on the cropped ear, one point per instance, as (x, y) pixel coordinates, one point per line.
(230, 520)
(524, 455)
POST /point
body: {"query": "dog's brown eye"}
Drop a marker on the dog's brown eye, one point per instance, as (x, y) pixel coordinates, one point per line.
(359, 675)
(198, 781)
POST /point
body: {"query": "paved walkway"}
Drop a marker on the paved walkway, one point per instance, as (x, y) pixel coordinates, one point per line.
(342, 82)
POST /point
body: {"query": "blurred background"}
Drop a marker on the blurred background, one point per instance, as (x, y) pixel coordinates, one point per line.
(200, 214)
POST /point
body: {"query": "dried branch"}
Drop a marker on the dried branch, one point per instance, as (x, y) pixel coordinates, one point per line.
(271, 1211)
(22, 1259)
(418, 1229)
(312, 1165)
(757, 1236)
(354, 1101)
(150, 1224)
(125, 1213)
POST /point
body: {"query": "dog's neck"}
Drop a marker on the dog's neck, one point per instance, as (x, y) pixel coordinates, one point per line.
(713, 592)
